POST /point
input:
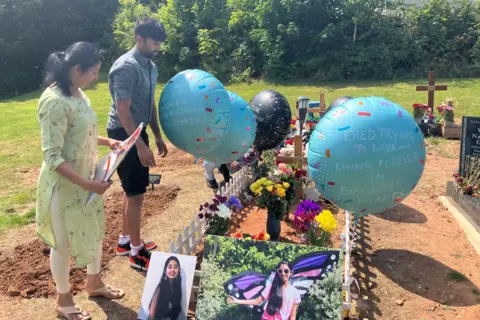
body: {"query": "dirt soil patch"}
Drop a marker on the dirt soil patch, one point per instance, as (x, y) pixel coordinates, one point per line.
(26, 270)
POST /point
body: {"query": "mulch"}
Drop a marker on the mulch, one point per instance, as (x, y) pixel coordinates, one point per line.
(26, 270)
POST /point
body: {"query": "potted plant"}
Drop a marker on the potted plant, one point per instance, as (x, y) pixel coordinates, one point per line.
(271, 193)
(446, 110)
(419, 111)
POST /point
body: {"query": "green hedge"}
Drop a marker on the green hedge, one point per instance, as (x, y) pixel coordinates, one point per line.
(279, 40)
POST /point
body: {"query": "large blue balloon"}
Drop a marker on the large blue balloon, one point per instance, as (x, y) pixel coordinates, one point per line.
(195, 112)
(240, 135)
(366, 155)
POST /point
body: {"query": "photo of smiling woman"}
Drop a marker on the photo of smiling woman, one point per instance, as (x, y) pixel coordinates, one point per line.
(282, 297)
(167, 287)
(166, 303)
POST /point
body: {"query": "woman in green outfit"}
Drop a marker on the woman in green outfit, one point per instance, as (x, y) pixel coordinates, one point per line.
(65, 221)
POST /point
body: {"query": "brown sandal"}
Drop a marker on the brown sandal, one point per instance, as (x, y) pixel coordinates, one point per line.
(106, 292)
(72, 313)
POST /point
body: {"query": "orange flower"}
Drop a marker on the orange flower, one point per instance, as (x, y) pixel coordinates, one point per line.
(254, 236)
(238, 235)
(261, 236)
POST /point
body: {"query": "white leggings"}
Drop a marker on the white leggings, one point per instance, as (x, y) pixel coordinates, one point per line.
(209, 168)
(60, 257)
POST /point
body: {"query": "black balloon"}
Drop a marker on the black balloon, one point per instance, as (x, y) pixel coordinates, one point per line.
(273, 116)
(339, 101)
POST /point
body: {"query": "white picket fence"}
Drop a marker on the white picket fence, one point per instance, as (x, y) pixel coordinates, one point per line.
(187, 241)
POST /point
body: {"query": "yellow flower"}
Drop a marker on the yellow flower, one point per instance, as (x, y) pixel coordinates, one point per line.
(281, 192)
(259, 191)
(278, 185)
(269, 188)
(326, 221)
(266, 237)
(286, 185)
(248, 238)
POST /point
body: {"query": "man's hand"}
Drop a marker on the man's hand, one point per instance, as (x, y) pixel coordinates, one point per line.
(146, 155)
(162, 147)
(234, 165)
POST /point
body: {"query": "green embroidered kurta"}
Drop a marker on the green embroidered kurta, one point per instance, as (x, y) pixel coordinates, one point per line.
(69, 133)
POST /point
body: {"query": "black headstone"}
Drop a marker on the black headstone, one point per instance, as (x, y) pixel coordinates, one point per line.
(470, 140)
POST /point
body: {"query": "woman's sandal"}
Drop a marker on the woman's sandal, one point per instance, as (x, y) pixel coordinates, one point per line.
(72, 313)
(107, 292)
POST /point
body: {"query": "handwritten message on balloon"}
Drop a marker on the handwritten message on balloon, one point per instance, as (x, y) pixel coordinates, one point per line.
(366, 155)
(195, 112)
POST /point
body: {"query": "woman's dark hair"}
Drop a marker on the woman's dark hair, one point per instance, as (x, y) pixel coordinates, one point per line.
(84, 54)
(169, 302)
(275, 299)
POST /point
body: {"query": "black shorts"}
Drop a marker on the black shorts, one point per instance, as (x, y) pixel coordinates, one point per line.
(133, 175)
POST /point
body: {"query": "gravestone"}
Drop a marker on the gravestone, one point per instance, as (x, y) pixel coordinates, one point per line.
(470, 140)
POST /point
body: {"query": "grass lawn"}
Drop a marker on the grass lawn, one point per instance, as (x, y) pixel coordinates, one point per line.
(20, 155)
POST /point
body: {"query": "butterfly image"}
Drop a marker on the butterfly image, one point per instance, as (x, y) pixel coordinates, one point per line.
(306, 269)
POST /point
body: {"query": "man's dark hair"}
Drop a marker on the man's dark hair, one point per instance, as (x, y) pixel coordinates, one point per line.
(150, 28)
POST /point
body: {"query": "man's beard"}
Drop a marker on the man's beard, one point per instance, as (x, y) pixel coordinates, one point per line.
(150, 54)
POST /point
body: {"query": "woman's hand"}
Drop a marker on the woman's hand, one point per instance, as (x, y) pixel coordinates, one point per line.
(231, 300)
(113, 144)
(96, 186)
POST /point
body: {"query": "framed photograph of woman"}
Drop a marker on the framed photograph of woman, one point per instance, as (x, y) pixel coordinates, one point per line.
(262, 280)
(168, 285)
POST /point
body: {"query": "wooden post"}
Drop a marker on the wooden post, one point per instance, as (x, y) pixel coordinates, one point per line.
(297, 160)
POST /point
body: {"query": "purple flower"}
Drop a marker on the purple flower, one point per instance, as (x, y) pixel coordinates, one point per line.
(200, 215)
(234, 202)
(201, 208)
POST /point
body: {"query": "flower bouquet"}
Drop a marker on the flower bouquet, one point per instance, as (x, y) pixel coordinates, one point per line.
(271, 193)
(315, 223)
(217, 214)
(291, 175)
(419, 110)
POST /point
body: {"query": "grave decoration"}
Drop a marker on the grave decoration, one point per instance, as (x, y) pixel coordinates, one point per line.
(273, 117)
(195, 113)
(367, 155)
(218, 212)
(450, 129)
(424, 114)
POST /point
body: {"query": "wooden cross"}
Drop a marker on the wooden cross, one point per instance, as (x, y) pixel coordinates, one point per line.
(297, 160)
(431, 89)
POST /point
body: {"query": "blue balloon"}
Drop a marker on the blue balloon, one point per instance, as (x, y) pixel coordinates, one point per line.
(195, 112)
(366, 155)
(240, 135)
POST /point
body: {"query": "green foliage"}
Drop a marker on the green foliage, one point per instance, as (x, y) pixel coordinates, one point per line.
(324, 298)
(213, 299)
(30, 30)
(217, 226)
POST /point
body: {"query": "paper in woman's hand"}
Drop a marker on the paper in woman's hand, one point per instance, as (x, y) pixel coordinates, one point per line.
(107, 166)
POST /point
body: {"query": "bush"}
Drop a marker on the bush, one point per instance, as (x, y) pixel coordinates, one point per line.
(30, 30)
(324, 298)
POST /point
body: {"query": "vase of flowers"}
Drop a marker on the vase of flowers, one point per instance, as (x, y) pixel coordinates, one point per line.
(270, 193)
(315, 224)
(419, 111)
(218, 212)
(292, 176)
